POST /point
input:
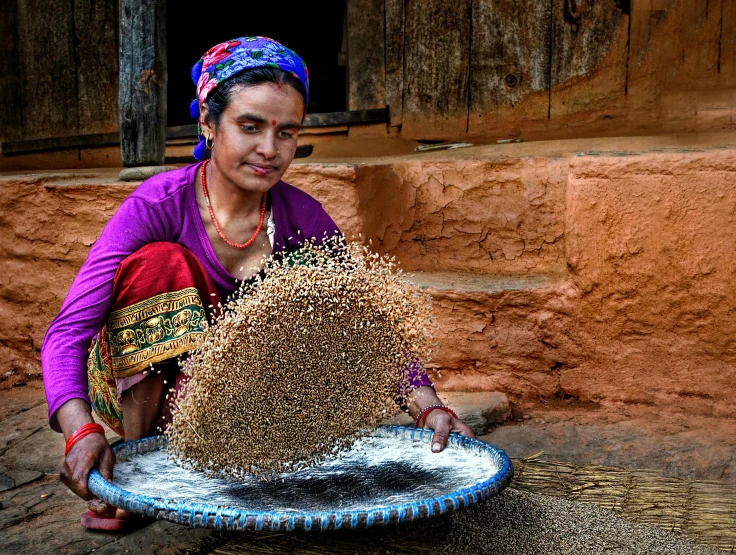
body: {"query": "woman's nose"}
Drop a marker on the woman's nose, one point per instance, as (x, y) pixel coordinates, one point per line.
(267, 145)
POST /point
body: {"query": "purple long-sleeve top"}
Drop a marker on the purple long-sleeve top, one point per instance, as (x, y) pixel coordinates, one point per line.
(162, 208)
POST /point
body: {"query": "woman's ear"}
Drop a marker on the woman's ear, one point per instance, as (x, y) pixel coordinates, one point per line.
(208, 130)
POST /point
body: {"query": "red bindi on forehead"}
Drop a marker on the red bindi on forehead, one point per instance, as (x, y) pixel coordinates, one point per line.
(273, 122)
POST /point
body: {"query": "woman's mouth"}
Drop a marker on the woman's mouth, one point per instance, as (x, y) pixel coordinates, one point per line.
(261, 169)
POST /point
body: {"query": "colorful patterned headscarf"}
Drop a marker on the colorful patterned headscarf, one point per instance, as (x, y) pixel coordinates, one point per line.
(228, 58)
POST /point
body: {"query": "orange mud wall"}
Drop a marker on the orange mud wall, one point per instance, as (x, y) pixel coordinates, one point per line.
(606, 278)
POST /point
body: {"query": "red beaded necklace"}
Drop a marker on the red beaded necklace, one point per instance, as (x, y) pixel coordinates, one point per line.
(214, 220)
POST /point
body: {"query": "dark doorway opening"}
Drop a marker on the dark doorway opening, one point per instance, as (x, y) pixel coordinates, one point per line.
(315, 33)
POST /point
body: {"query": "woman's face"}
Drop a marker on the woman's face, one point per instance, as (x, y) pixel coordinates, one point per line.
(256, 137)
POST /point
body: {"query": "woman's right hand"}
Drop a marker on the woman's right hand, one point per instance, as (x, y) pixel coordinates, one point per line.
(92, 451)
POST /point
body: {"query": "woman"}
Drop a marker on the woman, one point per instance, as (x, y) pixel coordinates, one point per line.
(178, 245)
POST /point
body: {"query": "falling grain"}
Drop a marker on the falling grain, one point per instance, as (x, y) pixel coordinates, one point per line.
(305, 357)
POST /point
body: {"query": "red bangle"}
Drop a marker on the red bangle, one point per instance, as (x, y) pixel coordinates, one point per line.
(82, 431)
(422, 416)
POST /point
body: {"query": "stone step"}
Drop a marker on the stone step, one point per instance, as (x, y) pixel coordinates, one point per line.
(466, 282)
(498, 332)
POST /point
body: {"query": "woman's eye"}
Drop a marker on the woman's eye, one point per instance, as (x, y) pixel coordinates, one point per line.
(286, 134)
(250, 128)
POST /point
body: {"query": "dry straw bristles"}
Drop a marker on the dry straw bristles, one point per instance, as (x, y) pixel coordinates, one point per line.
(304, 358)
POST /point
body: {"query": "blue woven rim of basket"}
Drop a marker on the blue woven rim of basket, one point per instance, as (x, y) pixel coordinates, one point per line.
(205, 515)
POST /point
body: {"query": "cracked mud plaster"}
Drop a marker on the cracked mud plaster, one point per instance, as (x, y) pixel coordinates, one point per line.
(45, 234)
(518, 341)
(651, 243)
(500, 217)
(478, 216)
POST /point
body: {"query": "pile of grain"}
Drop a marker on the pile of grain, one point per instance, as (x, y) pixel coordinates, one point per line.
(302, 360)
(513, 523)
(519, 523)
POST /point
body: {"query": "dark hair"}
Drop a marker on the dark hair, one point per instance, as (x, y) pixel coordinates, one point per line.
(217, 101)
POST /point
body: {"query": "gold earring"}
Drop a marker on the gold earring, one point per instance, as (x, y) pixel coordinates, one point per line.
(208, 143)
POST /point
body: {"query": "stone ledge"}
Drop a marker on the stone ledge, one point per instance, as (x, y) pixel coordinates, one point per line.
(465, 282)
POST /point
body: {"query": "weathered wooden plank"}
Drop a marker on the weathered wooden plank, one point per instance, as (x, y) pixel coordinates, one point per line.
(701, 43)
(48, 76)
(684, 34)
(96, 39)
(673, 71)
(727, 49)
(588, 64)
(143, 82)
(328, 119)
(58, 143)
(693, 82)
(366, 54)
(436, 68)
(395, 59)
(510, 63)
(582, 34)
(646, 17)
(302, 151)
(352, 117)
(643, 59)
(331, 119)
(10, 83)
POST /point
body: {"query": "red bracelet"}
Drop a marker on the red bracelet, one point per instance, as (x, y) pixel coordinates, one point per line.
(422, 416)
(82, 431)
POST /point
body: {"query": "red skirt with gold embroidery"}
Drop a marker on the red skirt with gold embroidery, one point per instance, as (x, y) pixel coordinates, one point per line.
(162, 298)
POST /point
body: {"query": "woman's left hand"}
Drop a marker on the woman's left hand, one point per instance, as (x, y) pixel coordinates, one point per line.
(443, 423)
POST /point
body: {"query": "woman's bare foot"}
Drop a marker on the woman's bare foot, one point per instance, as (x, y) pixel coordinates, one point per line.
(102, 516)
(102, 509)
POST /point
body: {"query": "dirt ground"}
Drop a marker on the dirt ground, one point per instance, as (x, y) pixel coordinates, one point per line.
(39, 514)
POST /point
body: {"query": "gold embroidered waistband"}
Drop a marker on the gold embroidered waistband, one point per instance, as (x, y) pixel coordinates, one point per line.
(155, 306)
(154, 330)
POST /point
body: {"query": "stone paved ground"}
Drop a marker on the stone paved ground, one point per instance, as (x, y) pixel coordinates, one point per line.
(40, 515)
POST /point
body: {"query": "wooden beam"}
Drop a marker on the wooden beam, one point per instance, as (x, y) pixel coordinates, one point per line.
(509, 66)
(675, 67)
(58, 143)
(48, 70)
(96, 51)
(143, 82)
(436, 69)
(395, 59)
(10, 83)
(582, 35)
(589, 46)
(726, 65)
(352, 117)
(328, 119)
(366, 54)
(356, 117)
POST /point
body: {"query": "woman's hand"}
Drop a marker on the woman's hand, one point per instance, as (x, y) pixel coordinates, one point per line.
(443, 423)
(92, 451)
